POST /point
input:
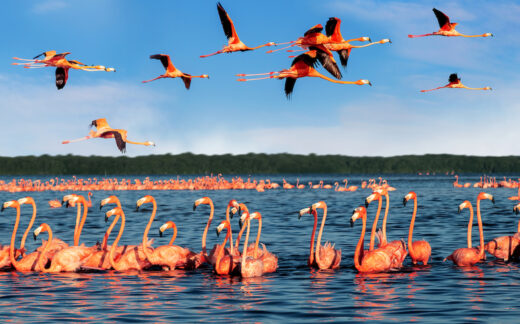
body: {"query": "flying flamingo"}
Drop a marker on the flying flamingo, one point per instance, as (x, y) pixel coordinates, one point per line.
(447, 28)
(420, 251)
(234, 43)
(105, 131)
(302, 66)
(368, 261)
(341, 46)
(506, 247)
(454, 82)
(326, 257)
(469, 256)
(250, 266)
(167, 256)
(172, 72)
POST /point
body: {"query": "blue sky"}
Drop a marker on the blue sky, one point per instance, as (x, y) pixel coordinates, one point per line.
(220, 115)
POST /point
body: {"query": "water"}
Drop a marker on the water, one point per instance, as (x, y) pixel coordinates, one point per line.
(435, 293)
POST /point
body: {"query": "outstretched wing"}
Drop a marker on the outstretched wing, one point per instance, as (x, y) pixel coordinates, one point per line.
(453, 78)
(444, 21)
(289, 86)
(327, 62)
(186, 80)
(165, 60)
(47, 54)
(315, 29)
(309, 58)
(331, 25)
(344, 54)
(227, 23)
(62, 74)
(121, 145)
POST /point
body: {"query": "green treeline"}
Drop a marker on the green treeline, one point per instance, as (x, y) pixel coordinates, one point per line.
(188, 163)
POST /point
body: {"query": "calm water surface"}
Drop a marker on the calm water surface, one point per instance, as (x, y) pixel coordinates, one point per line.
(488, 292)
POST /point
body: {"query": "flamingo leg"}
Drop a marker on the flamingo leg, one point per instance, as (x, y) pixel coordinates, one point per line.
(279, 49)
(254, 74)
(254, 79)
(207, 55)
(77, 140)
(415, 36)
(433, 89)
(159, 77)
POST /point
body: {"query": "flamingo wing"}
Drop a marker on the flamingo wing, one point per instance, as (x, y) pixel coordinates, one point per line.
(309, 58)
(331, 25)
(315, 29)
(344, 54)
(121, 145)
(187, 80)
(227, 23)
(76, 62)
(47, 55)
(165, 60)
(289, 86)
(327, 63)
(444, 21)
(453, 78)
(62, 74)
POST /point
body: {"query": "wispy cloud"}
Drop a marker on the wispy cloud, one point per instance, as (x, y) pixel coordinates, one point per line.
(49, 6)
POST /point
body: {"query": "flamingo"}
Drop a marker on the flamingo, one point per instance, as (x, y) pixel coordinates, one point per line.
(225, 263)
(203, 256)
(234, 43)
(269, 260)
(311, 262)
(250, 266)
(420, 251)
(341, 46)
(55, 203)
(454, 82)
(166, 256)
(469, 256)
(447, 28)
(105, 131)
(133, 258)
(326, 257)
(368, 261)
(506, 247)
(172, 72)
(302, 66)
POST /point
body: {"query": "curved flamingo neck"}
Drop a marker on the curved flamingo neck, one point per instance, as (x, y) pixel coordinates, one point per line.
(311, 253)
(258, 233)
(31, 223)
(42, 254)
(245, 245)
(470, 225)
(147, 229)
(230, 233)
(76, 228)
(83, 219)
(358, 254)
(212, 209)
(324, 217)
(174, 236)
(387, 207)
(220, 252)
(480, 231)
(13, 238)
(410, 231)
(104, 245)
(114, 245)
(374, 226)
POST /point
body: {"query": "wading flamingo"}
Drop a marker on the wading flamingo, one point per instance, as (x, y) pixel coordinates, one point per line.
(341, 46)
(172, 72)
(326, 257)
(464, 257)
(454, 82)
(105, 131)
(203, 256)
(249, 265)
(269, 260)
(234, 43)
(447, 28)
(506, 247)
(420, 251)
(368, 261)
(225, 262)
(302, 66)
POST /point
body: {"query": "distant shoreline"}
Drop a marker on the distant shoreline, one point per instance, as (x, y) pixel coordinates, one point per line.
(256, 163)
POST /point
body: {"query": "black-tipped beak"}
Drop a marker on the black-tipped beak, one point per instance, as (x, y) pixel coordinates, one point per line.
(231, 215)
(366, 203)
(404, 201)
(240, 223)
(493, 200)
(67, 205)
(370, 40)
(218, 233)
(136, 208)
(106, 218)
(239, 211)
(370, 83)
(2, 208)
(100, 206)
(458, 210)
(515, 210)
(351, 223)
(160, 233)
(34, 236)
(390, 41)
(194, 207)
(299, 216)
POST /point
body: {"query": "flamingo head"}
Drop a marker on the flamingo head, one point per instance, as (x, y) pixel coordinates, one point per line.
(202, 201)
(42, 228)
(221, 226)
(386, 40)
(372, 197)
(484, 195)
(465, 204)
(488, 35)
(66, 199)
(361, 211)
(516, 209)
(110, 69)
(205, 76)
(75, 199)
(149, 143)
(270, 44)
(26, 200)
(110, 200)
(488, 88)
(165, 226)
(243, 218)
(365, 39)
(11, 203)
(303, 212)
(363, 82)
(233, 204)
(145, 200)
(319, 204)
(111, 212)
(255, 215)
(410, 195)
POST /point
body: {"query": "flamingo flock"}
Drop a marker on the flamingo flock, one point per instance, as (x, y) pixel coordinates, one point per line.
(55, 255)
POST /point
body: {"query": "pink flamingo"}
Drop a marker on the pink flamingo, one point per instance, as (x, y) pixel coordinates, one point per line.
(506, 247)
(250, 266)
(420, 251)
(269, 260)
(225, 262)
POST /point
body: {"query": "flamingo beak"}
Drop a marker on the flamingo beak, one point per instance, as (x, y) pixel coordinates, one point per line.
(493, 200)
(160, 233)
(136, 208)
(404, 201)
(458, 210)
(34, 236)
(100, 206)
(194, 207)
(106, 219)
(369, 83)
(218, 233)
(351, 223)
